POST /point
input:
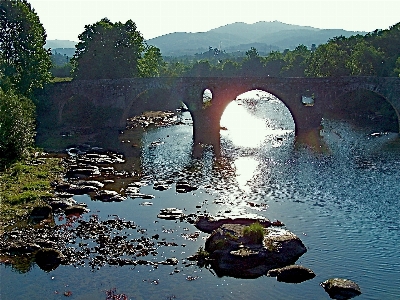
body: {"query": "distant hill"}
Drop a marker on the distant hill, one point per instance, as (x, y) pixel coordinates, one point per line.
(53, 44)
(264, 36)
(234, 37)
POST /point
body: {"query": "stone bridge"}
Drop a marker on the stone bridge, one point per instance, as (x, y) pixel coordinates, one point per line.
(125, 97)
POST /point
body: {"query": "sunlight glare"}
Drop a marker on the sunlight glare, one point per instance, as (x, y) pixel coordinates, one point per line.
(243, 128)
(245, 170)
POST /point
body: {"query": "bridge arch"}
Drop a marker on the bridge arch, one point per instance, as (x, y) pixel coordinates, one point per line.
(254, 117)
(376, 90)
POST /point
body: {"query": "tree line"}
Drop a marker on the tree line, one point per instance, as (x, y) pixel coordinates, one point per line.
(118, 50)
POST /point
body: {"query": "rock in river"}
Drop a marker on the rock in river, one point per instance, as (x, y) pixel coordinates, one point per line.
(48, 259)
(109, 196)
(234, 254)
(171, 214)
(292, 274)
(341, 289)
(208, 224)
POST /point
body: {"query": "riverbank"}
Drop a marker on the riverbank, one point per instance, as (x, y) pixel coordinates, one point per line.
(24, 184)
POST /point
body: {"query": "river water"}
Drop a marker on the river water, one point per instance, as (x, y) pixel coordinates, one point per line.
(343, 204)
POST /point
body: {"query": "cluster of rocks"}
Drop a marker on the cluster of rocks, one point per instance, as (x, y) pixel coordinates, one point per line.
(156, 118)
(109, 242)
(231, 252)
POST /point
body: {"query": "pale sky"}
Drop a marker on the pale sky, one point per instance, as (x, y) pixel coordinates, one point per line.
(65, 19)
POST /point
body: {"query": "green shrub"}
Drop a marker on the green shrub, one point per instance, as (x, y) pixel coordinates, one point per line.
(254, 232)
(202, 254)
(17, 127)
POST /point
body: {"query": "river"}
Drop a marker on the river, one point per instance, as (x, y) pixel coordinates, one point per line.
(343, 204)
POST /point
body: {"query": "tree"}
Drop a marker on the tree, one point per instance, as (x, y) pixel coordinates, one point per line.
(24, 62)
(328, 60)
(397, 67)
(295, 61)
(17, 125)
(252, 64)
(365, 60)
(199, 69)
(152, 63)
(114, 50)
(274, 63)
(252, 54)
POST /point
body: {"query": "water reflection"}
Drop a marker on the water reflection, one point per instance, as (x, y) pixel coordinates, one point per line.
(243, 129)
(245, 170)
(255, 119)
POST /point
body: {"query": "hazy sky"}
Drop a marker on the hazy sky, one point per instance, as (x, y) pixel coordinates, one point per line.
(65, 19)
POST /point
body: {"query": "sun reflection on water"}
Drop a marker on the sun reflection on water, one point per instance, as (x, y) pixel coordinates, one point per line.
(245, 170)
(257, 121)
(243, 129)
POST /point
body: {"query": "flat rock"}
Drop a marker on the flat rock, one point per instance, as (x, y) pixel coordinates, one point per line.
(109, 196)
(75, 210)
(209, 224)
(292, 274)
(170, 214)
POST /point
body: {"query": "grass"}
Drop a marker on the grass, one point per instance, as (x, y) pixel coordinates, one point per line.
(61, 79)
(254, 232)
(23, 186)
(202, 254)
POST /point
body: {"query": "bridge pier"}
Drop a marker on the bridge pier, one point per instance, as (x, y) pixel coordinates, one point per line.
(206, 127)
(307, 130)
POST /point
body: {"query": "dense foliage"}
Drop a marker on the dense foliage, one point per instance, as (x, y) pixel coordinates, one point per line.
(375, 54)
(114, 50)
(24, 62)
(24, 67)
(16, 126)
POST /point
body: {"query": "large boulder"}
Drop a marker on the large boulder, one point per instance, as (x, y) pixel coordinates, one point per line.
(341, 289)
(233, 253)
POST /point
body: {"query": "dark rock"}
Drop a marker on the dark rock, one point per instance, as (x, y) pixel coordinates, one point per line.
(292, 274)
(161, 187)
(21, 248)
(41, 213)
(81, 189)
(341, 289)
(184, 187)
(209, 224)
(82, 172)
(48, 259)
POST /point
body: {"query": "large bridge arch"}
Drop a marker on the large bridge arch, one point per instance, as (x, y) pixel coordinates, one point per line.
(377, 90)
(206, 120)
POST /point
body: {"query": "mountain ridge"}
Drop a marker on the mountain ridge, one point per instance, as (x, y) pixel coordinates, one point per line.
(268, 35)
(274, 34)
